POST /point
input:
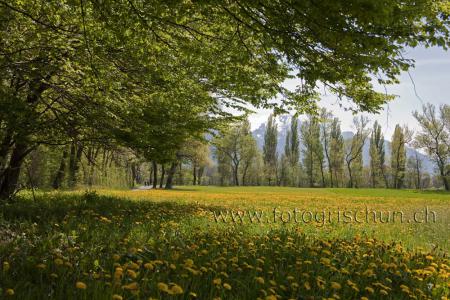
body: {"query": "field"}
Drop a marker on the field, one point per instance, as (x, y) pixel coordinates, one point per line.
(227, 243)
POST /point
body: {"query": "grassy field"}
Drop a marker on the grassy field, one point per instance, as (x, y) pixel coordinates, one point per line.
(207, 243)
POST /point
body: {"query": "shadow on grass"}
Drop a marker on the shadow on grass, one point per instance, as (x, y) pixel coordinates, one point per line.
(51, 208)
(432, 192)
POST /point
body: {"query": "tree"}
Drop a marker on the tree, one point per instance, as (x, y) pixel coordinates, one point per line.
(400, 138)
(312, 150)
(336, 153)
(353, 151)
(377, 157)
(239, 146)
(325, 133)
(434, 138)
(270, 150)
(197, 153)
(151, 75)
(415, 168)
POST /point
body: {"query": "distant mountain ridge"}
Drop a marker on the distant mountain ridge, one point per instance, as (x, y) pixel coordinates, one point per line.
(284, 125)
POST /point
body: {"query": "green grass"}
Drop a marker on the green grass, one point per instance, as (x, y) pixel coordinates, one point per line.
(166, 245)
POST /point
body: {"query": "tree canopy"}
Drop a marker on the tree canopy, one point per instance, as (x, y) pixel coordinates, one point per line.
(150, 75)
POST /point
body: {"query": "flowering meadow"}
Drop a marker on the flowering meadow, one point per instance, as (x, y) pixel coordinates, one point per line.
(166, 245)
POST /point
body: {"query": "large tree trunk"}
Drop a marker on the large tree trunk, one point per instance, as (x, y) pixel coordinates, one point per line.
(75, 156)
(446, 183)
(155, 174)
(11, 175)
(171, 173)
(236, 176)
(350, 175)
(194, 173)
(444, 177)
(163, 172)
(244, 174)
(4, 149)
(57, 182)
(200, 174)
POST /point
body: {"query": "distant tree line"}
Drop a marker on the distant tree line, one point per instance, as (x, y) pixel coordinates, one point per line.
(317, 155)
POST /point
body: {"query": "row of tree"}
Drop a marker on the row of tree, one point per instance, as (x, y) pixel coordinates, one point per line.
(91, 80)
(316, 153)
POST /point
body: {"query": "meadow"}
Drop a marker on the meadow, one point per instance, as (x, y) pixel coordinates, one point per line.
(159, 244)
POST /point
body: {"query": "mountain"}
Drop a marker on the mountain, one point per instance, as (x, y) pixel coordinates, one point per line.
(284, 125)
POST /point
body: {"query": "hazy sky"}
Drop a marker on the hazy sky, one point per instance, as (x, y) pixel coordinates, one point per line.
(431, 76)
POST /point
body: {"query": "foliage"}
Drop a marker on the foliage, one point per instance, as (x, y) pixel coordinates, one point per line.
(435, 138)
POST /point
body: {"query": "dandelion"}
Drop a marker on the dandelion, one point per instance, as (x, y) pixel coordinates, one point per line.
(149, 266)
(6, 266)
(59, 261)
(193, 295)
(176, 290)
(41, 266)
(131, 287)
(335, 285)
(217, 281)
(260, 280)
(227, 286)
(163, 287)
(80, 285)
(10, 292)
(116, 297)
(188, 263)
(271, 297)
(132, 274)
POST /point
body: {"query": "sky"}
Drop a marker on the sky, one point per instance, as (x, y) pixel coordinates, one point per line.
(431, 77)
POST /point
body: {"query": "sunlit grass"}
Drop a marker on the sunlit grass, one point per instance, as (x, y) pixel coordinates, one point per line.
(166, 245)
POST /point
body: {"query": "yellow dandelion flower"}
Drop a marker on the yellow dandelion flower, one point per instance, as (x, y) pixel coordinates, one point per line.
(193, 295)
(429, 257)
(335, 285)
(383, 292)
(80, 285)
(188, 262)
(149, 266)
(132, 274)
(6, 266)
(364, 298)
(131, 287)
(370, 290)
(176, 290)
(116, 297)
(271, 297)
(307, 286)
(116, 257)
(260, 280)
(10, 292)
(162, 287)
(217, 281)
(41, 266)
(59, 261)
(227, 286)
